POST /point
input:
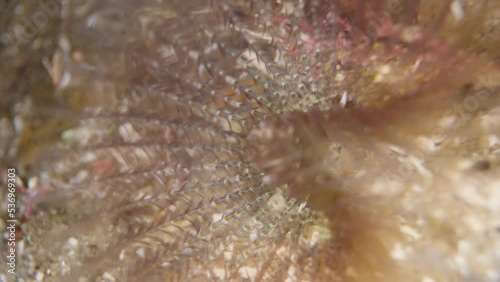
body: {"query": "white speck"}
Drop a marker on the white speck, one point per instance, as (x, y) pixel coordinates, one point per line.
(79, 177)
(39, 276)
(229, 79)
(279, 58)
(251, 59)
(398, 252)
(87, 158)
(201, 11)
(457, 9)
(428, 279)
(73, 242)
(253, 236)
(65, 79)
(289, 8)
(473, 222)
(18, 124)
(398, 149)
(464, 246)
(248, 272)
(461, 261)
(228, 255)
(194, 55)
(418, 164)
(122, 255)
(65, 269)
(291, 274)
(217, 217)
(167, 52)
(411, 232)
(187, 251)
(210, 49)
(32, 182)
(416, 65)
(64, 44)
(343, 100)
(302, 206)
(220, 273)
(266, 134)
(304, 37)
(281, 251)
(493, 275)
(108, 277)
(141, 252)
(128, 133)
(278, 203)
